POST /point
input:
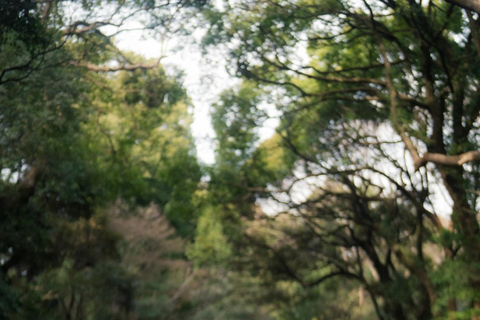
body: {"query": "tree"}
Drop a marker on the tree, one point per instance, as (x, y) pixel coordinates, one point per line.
(74, 140)
(34, 29)
(378, 110)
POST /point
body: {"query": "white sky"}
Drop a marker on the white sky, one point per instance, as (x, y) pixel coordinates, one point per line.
(203, 82)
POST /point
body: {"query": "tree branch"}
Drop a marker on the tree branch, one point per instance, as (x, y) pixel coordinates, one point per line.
(448, 160)
(473, 5)
(72, 30)
(132, 67)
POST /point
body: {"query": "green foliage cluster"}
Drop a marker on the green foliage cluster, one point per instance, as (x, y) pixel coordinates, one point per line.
(377, 110)
(73, 142)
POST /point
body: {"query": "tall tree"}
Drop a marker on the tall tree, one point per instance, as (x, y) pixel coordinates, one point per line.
(378, 107)
(73, 140)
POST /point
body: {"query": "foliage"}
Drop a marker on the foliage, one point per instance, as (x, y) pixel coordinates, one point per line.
(375, 115)
(210, 242)
(106, 214)
(74, 140)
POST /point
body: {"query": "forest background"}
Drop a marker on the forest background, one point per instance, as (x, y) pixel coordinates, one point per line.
(363, 204)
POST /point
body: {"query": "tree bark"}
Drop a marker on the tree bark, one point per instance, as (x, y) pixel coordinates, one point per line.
(473, 5)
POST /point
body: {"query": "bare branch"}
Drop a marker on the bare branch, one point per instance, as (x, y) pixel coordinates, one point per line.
(438, 158)
(73, 29)
(448, 160)
(132, 67)
(473, 5)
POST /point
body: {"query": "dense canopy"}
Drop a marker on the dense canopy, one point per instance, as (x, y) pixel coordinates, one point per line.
(363, 203)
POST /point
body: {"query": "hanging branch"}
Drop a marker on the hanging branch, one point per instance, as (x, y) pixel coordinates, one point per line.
(126, 67)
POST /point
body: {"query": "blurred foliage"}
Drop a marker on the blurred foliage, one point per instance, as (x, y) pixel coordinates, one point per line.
(105, 212)
(360, 89)
(74, 143)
